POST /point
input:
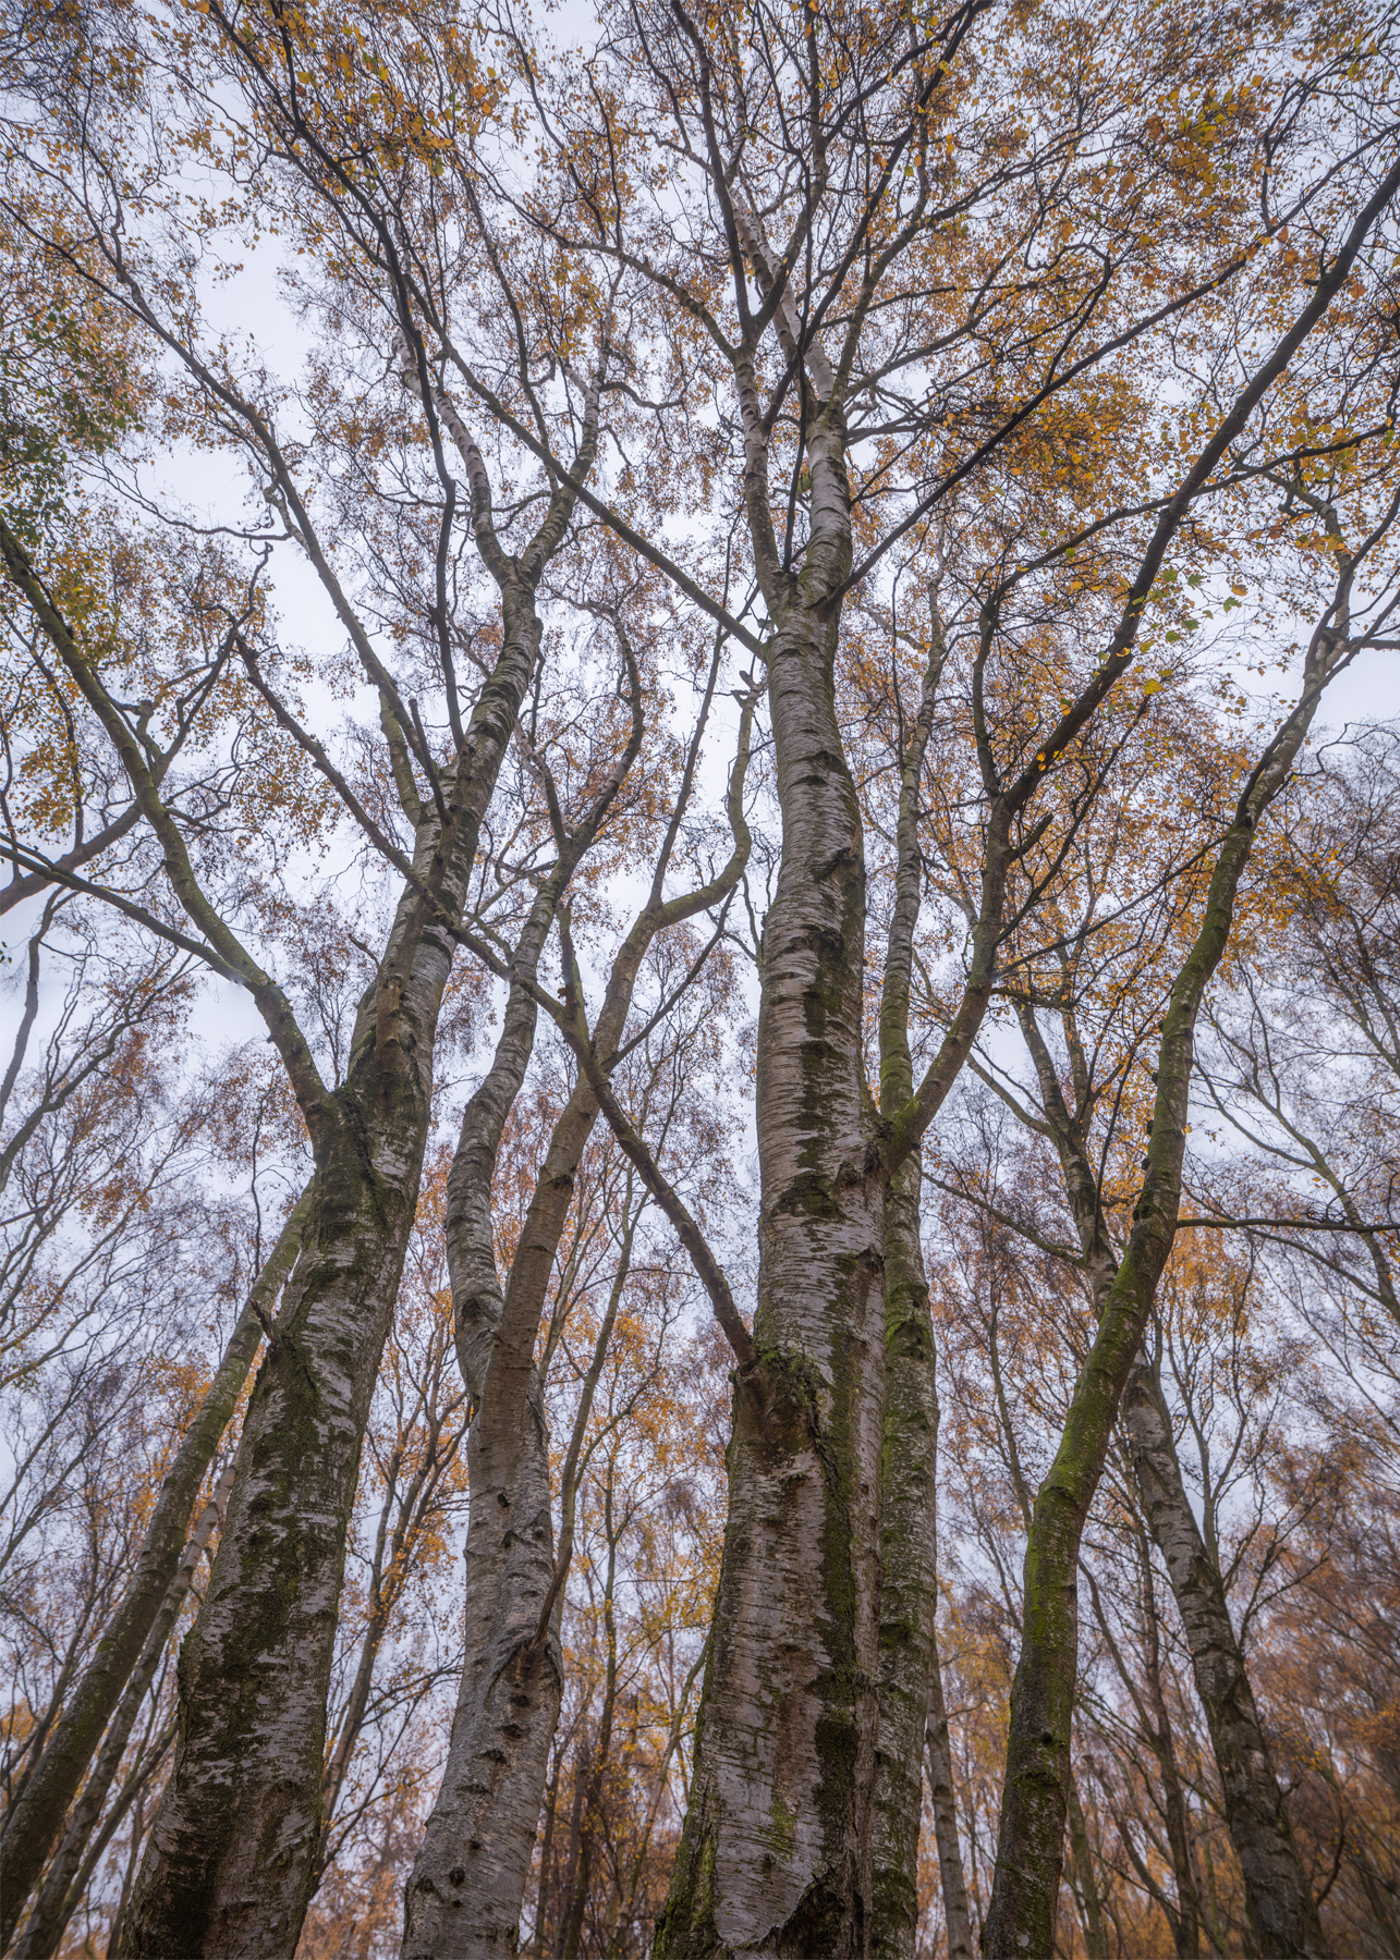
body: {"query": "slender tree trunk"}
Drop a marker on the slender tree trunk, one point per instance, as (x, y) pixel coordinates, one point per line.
(1144, 1688)
(352, 1720)
(464, 1895)
(909, 1581)
(909, 1515)
(1186, 1926)
(36, 1819)
(602, 1753)
(569, 1883)
(138, 1835)
(775, 1857)
(1265, 1847)
(1277, 1892)
(230, 1861)
(1082, 1856)
(957, 1919)
(59, 1894)
(131, 1794)
(551, 1808)
(628, 1899)
(1030, 1846)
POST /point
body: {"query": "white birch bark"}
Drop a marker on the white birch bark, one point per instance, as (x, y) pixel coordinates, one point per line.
(465, 1892)
(775, 1857)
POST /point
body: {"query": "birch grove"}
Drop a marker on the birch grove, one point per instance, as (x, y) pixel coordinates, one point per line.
(700, 791)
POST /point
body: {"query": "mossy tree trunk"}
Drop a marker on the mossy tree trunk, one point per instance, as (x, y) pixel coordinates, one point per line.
(230, 1859)
(69, 1873)
(777, 1852)
(33, 1825)
(1277, 1893)
(231, 1855)
(1030, 1848)
(1278, 1897)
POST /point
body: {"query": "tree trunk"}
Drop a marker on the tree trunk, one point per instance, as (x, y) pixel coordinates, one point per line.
(1081, 1853)
(1186, 1924)
(468, 1881)
(465, 1892)
(230, 1861)
(593, 1824)
(1277, 1892)
(551, 1810)
(909, 1514)
(1030, 1843)
(775, 1856)
(957, 1920)
(569, 1881)
(36, 1819)
(59, 1894)
(909, 1579)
